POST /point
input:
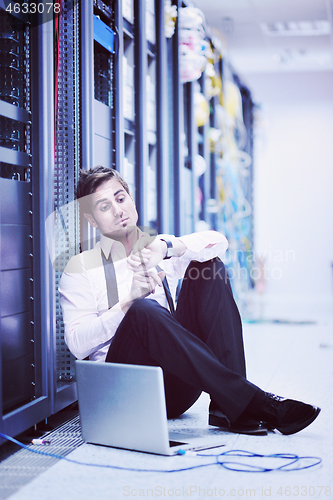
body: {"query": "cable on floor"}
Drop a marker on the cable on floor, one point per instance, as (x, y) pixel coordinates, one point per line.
(290, 465)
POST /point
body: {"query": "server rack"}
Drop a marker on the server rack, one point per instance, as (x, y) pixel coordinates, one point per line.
(215, 155)
(248, 116)
(65, 242)
(16, 219)
(24, 278)
(174, 120)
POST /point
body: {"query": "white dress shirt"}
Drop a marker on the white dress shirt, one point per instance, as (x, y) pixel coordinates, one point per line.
(89, 323)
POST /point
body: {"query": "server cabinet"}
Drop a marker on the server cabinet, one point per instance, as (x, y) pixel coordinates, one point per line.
(143, 111)
(24, 334)
(64, 242)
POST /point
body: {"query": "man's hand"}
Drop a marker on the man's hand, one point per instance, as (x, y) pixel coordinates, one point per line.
(145, 256)
(147, 253)
(143, 284)
(150, 250)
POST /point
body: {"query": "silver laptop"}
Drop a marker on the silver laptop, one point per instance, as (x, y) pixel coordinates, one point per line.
(124, 406)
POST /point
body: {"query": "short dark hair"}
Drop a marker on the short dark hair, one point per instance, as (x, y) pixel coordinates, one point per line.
(91, 179)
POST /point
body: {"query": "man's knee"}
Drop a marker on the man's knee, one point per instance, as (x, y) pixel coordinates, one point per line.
(145, 306)
(141, 311)
(210, 270)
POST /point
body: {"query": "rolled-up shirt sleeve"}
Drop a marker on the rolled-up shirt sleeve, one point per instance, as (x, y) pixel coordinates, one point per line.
(201, 246)
(87, 328)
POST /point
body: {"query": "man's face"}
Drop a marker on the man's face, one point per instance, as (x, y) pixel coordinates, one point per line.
(113, 210)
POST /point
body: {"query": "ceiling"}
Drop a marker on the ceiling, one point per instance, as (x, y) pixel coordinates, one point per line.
(256, 44)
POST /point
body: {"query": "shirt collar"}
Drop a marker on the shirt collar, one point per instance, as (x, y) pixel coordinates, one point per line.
(108, 244)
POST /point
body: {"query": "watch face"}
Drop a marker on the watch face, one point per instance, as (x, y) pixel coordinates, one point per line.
(170, 249)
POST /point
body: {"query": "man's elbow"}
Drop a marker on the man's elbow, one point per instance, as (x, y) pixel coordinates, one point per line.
(73, 346)
(225, 242)
(219, 238)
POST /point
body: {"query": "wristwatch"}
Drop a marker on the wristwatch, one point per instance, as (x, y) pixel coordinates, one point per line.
(169, 245)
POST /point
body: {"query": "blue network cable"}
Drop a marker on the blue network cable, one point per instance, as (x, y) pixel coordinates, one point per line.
(220, 459)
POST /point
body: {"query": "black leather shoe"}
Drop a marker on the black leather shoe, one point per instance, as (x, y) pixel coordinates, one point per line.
(287, 415)
(240, 426)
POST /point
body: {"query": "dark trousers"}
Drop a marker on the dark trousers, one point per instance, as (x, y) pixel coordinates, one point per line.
(199, 347)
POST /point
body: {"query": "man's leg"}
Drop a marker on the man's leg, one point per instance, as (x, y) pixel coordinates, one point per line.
(150, 335)
(206, 307)
(125, 348)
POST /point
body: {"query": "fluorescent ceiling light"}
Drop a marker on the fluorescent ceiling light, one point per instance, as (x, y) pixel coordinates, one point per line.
(297, 28)
(301, 58)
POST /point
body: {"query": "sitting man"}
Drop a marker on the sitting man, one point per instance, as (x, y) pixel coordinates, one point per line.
(118, 307)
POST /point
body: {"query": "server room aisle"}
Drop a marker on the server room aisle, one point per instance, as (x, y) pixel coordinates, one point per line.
(292, 357)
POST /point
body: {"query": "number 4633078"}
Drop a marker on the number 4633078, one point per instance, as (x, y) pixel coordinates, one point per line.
(304, 491)
(33, 8)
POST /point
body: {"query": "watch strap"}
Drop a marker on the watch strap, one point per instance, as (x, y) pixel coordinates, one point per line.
(169, 245)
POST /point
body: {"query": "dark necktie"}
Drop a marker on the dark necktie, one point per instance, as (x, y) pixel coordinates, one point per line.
(167, 292)
(111, 281)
